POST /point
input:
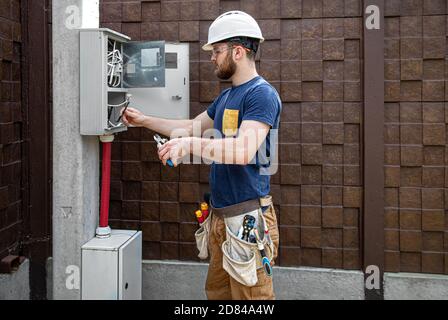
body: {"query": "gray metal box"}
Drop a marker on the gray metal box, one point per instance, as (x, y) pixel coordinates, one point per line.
(142, 65)
(112, 267)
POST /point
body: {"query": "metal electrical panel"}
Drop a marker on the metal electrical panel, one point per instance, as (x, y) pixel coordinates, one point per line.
(110, 66)
(173, 100)
(112, 267)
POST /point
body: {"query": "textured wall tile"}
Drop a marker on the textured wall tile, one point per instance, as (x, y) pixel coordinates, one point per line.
(434, 48)
(432, 198)
(311, 174)
(311, 49)
(411, 91)
(290, 195)
(132, 12)
(291, 8)
(434, 26)
(310, 195)
(434, 7)
(270, 28)
(312, 70)
(333, 8)
(189, 10)
(333, 70)
(290, 174)
(333, 91)
(311, 132)
(290, 71)
(311, 154)
(189, 31)
(311, 8)
(432, 241)
(352, 197)
(332, 175)
(333, 28)
(152, 231)
(333, 112)
(352, 8)
(411, 48)
(332, 217)
(411, 69)
(434, 134)
(189, 192)
(410, 198)
(289, 236)
(433, 220)
(310, 216)
(411, 26)
(312, 112)
(332, 258)
(433, 69)
(312, 91)
(310, 238)
(312, 29)
(333, 133)
(288, 49)
(290, 215)
(433, 90)
(432, 262)
(391, 239)
(333, 49)
(410, 219)
(410, 241)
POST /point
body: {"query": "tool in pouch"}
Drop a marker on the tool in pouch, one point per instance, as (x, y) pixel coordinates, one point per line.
(160, 142)
(247, 228)
(202, 214)
(264, 259)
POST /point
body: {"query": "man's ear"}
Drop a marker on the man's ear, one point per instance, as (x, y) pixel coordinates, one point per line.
(239, 53)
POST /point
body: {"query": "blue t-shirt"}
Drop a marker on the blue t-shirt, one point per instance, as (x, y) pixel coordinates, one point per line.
(255, 100)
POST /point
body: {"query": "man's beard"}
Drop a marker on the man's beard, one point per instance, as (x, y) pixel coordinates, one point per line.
(227, 68)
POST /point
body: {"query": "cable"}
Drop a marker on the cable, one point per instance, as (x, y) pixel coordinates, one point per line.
(110, 106)
(114, 65)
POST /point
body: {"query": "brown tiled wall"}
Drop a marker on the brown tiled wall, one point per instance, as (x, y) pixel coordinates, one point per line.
(11, 127)
(416, 234)
(312, 55)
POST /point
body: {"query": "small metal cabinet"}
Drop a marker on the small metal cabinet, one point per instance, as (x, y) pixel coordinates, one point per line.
(112, 267)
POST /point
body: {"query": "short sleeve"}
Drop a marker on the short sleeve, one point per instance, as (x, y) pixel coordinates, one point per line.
(262, 105)
(211, 110)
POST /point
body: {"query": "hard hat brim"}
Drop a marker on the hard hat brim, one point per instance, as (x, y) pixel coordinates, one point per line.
(209, 46)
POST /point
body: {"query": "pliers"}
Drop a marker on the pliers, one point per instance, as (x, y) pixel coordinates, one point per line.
(160, 142)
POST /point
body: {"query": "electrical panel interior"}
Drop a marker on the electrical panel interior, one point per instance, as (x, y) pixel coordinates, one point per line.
(116, 72)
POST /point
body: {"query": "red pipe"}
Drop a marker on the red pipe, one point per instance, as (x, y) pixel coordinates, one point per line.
(105, 185)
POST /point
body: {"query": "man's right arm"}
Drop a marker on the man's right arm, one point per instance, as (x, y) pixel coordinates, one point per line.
(165, 126)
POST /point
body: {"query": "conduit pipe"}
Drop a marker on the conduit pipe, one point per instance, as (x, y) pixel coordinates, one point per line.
(103, 230)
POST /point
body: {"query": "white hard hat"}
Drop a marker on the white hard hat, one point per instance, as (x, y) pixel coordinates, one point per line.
(232, 24)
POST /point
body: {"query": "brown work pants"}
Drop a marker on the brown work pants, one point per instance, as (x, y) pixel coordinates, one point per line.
(220, 285)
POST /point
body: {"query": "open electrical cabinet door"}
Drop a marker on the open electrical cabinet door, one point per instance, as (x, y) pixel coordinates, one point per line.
(144, 64)
(167, 64)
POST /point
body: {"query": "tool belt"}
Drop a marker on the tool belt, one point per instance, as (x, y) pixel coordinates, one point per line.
(241, 258)
(246, 206)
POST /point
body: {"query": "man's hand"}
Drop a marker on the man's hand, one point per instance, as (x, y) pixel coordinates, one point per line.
(175, 150)
(133, 117)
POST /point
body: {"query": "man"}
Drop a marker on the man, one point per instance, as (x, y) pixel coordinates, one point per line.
(237, 179)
